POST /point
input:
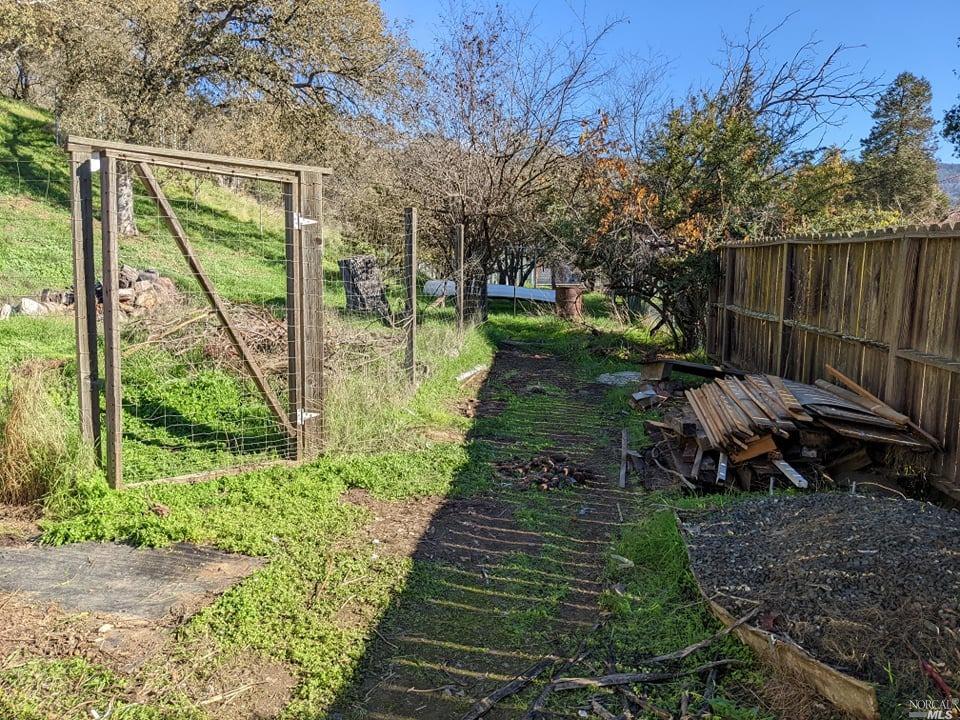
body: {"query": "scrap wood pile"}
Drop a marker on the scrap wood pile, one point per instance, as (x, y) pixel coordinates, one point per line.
(621, 695)
(764, 428)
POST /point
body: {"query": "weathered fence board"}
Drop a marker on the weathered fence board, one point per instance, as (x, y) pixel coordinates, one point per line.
(880, 306)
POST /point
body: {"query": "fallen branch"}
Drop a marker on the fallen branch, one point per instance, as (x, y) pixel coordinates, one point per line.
(600, 711)
(631, 678)
(644, 704)
(482, 707)
(690, 649)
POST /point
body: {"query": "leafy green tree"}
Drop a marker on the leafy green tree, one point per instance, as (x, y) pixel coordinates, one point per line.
(899, 168)
(822, 196)
(159, 71)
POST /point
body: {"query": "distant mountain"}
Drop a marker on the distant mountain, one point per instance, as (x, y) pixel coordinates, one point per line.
(949, 174)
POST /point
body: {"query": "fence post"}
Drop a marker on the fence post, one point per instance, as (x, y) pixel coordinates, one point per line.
(410, 278)
(311, 215)
(905, 283)
(85, 299)
(461, 275)
(111, 312)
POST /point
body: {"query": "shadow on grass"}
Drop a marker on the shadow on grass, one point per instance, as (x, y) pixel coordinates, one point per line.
(506, 577)
(30, 162)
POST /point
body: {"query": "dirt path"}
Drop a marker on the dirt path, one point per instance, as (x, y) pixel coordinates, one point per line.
(500, 581)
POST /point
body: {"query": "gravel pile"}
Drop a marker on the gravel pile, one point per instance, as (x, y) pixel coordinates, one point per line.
(858, 582)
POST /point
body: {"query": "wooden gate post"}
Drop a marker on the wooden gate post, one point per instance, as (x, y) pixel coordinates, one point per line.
(111, 316)
(85, 299)
(312, 421)
(461, 275)
(410, 279)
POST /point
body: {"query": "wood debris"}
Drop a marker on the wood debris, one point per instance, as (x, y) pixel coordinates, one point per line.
(546, 471)
(761, 429)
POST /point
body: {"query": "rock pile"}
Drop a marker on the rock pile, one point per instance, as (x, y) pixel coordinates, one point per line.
(139, 291)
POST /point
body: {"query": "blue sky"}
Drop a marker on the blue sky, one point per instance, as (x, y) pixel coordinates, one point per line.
(918, 36)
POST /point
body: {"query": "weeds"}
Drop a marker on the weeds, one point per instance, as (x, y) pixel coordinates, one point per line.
(38, 451)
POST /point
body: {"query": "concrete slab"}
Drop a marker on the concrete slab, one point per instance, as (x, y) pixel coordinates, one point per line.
(149, 584)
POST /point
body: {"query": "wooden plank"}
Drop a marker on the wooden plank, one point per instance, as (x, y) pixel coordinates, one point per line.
(622, 480)
(874, 404)
(863, 417)
(85, 299)
(782, 306)
(410, 280)
(729, 256)
(903, 296)
(293, 251)
(236, 339)
(113, 408)
(791, 474)
(746, 404)
(875, 434)
(706, 421)
(701, 369)
(786, 397)
(85, 144)
(761, 446)
(313, 420)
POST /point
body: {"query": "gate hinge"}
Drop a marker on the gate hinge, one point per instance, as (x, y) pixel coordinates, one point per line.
(300, 222)
(304, 415)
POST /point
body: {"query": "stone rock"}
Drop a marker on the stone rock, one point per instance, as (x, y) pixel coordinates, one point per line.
(145, 299)
(5, 311)
(128, 276)
(620, 378)
(31, 307)
(125, 294)
(149, 275)
(142, 285)
(165, 284)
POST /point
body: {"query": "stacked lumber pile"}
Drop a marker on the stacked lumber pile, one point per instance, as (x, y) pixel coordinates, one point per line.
(764, 427)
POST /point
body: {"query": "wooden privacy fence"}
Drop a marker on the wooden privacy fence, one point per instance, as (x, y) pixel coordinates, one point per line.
(881, 306)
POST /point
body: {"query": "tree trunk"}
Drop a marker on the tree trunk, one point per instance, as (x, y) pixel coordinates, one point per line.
(125, 219)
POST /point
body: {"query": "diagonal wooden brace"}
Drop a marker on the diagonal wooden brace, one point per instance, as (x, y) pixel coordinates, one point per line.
(173, 224)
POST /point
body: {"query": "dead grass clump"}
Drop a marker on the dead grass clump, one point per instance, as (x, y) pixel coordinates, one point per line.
(34, 445)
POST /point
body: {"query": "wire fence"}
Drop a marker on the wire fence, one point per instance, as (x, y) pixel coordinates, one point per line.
(189, 401)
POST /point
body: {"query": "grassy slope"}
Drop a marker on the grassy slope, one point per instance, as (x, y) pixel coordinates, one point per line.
(293, 517)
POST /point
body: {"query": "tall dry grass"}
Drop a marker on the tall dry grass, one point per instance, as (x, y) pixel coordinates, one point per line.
(36, 451)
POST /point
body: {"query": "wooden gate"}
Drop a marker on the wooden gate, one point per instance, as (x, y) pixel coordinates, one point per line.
(300, 414)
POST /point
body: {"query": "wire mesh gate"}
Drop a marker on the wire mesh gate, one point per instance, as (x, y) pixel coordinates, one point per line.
(219, 328)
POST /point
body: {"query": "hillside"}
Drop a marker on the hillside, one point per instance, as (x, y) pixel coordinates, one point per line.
(949, 175)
